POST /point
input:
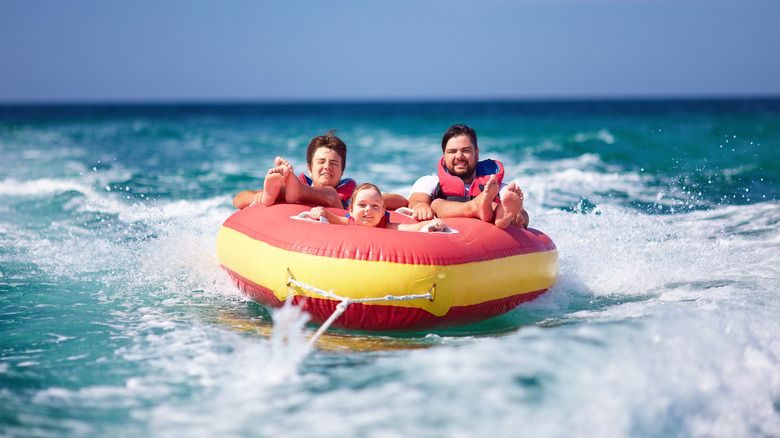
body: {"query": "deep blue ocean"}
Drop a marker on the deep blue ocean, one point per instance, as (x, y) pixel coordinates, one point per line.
(117, 320)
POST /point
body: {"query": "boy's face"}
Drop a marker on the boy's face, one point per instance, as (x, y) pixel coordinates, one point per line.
(325, 168)
(368, 208)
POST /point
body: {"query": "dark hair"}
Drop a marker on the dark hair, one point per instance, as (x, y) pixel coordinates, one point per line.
(364, 186)
(329, 141)
(456, 130)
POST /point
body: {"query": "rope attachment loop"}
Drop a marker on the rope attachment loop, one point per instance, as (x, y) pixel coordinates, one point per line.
(344, 302)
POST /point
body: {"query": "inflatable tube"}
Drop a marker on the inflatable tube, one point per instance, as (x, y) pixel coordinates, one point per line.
(473, 275)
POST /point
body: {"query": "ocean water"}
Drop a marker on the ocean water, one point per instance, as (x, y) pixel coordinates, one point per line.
(116, 319)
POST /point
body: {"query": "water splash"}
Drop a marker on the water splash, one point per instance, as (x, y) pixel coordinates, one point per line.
(288, 344)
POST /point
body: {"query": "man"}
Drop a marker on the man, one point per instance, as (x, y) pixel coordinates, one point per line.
(467, 187)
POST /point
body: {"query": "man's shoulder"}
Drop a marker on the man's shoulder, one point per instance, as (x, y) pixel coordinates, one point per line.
(426, 184)
(428, 179)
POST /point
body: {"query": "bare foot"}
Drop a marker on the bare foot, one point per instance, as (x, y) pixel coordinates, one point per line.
(484, 202)
(511, 203)
(274, 181)
(293, 189)
(280, 161)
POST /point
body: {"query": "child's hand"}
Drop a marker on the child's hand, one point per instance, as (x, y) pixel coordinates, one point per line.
(316, 213)
(436, 225)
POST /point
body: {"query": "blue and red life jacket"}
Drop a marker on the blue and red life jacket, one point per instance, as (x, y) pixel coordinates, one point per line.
(451, 187)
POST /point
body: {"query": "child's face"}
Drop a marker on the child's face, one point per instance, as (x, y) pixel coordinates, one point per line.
(368, 208)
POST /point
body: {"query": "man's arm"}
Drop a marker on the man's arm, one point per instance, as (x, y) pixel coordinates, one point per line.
(445, 208)
(421, 204)
(422, 196)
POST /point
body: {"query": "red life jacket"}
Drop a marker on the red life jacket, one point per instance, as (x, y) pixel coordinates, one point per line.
(452, 188)
(344, 189)
(382, 222)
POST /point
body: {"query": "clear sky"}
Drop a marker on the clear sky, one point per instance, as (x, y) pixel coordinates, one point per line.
(278, 50)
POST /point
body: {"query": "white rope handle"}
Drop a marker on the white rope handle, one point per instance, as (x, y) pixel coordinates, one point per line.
(446, 230)
(406, 211)
(305, 216)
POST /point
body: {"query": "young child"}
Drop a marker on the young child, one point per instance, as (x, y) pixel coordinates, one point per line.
(367, 209)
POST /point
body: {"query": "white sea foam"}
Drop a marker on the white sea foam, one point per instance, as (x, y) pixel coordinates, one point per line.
(602, 135)
(176, 210)
(565, 183)
(617, 251)
(41, 187)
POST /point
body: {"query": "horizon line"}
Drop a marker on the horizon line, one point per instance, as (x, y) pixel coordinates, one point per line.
(386, 100)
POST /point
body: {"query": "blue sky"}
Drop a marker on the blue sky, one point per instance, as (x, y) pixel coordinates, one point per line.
(291, 50)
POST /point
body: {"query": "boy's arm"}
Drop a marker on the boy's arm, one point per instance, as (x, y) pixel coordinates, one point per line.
(436, 224)
(246, 198)
(394, 201)
(327, 196)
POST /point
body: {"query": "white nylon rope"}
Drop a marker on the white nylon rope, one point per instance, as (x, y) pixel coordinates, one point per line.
(346, 301)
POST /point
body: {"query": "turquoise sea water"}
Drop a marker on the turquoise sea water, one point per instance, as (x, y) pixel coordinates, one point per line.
(116, 319)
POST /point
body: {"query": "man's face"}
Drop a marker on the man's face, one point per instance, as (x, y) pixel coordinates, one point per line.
(460, 157)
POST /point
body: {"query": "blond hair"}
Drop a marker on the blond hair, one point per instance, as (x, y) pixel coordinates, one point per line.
(364, 186)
